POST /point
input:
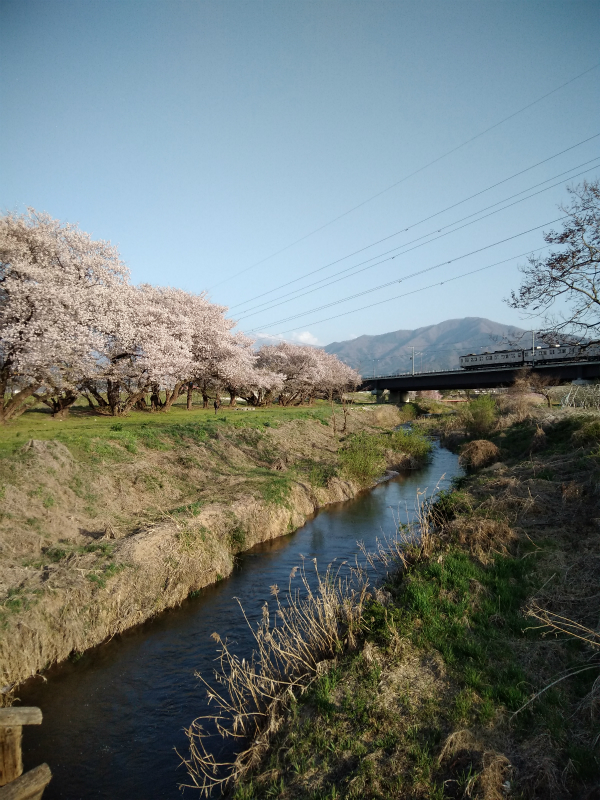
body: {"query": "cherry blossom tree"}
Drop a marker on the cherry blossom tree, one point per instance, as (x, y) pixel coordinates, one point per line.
(306, 371)
(56, 304)
(334, 381)
(72, 323)
(297, 366)
(149, 350)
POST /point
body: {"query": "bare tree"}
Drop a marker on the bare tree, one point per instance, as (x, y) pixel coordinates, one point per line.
(570, 273)
(529, 380)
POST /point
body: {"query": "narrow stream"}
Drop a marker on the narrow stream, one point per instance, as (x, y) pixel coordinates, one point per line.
(113, 719)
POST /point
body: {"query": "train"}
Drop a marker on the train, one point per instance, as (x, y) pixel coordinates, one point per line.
(531, 357)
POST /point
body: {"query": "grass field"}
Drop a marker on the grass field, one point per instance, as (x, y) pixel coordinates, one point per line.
(81, 425)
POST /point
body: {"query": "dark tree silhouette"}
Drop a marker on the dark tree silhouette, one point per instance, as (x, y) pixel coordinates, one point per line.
(570, 273)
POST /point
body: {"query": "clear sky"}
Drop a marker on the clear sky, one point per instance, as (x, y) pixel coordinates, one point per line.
(202, 137)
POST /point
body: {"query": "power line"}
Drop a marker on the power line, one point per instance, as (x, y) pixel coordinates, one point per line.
(414, 224)
(422, 289)
(410, 175)
(333, 279)
(414, 274)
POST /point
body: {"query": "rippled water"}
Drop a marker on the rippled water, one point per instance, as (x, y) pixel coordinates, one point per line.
(113, 719)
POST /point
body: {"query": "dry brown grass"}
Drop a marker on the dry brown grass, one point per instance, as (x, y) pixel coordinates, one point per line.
(490, 771)
(478, 453)
(482, 537)
(309, 625)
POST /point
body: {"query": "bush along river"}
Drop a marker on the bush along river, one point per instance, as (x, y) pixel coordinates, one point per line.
(114, 718)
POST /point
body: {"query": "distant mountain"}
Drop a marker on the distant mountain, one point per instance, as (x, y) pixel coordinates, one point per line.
(436, 346)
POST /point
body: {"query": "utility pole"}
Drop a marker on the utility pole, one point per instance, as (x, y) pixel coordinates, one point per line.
(413, 361)
(533, 348)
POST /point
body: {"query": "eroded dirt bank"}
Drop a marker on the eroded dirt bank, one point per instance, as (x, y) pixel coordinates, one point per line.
(92, 546)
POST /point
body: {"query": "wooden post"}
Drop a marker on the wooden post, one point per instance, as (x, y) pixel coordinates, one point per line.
(31, 785)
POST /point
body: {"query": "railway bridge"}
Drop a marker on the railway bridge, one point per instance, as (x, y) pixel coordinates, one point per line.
(491, 378)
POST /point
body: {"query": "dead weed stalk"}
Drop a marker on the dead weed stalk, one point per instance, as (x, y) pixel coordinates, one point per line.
(311, 623)
(314, 621)
(410, 542)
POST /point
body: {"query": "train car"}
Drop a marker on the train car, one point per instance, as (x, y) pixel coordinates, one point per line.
(531, 357)
(499, 358)
(591, 351)
(549, 355)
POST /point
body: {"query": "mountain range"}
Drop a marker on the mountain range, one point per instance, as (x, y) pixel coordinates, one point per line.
(435, 346)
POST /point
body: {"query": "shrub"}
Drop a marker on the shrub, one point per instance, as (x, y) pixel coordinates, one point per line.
(478, 453)
(408, 412)
(413, 442)
(479, 416)
(320, 474)
(363, 458)
(589, 432)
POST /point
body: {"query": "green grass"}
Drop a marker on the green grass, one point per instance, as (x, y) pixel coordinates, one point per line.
(104, 437)
(362, 458)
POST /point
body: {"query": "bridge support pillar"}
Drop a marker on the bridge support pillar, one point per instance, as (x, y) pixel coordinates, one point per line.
(397, 397)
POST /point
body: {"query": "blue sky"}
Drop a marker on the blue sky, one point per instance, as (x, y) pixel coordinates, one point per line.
(202, 137)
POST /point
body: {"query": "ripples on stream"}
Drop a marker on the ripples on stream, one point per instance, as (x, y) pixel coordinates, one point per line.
(113, 718)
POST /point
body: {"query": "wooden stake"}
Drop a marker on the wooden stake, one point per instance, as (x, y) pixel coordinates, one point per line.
(11, 731)
(29, 786)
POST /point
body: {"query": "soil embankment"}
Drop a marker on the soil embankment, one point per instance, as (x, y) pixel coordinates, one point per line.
(99, 535)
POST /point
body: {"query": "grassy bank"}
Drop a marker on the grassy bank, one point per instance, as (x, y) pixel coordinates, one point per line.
(106, 522)
(468, 680)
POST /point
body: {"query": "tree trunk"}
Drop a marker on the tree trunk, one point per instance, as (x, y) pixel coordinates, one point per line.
(155, 398)
(96, 395)
(190, 390)
(345, 410)
(132, 400)
(232, 398)
(15, 406)
(62, 403)
(113, 395)
(205, 400)
(171, 397)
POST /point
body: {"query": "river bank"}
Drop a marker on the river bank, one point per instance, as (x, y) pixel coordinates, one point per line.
(107, 524)
(477, 671)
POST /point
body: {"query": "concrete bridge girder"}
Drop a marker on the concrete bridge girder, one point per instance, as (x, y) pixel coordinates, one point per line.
(395, 396)
(475, 379)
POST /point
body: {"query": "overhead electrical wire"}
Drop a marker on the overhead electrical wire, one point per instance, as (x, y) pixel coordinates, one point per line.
(414, 224)
(353, 270)
(410, 175)
(414, 274)
(422, 289)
